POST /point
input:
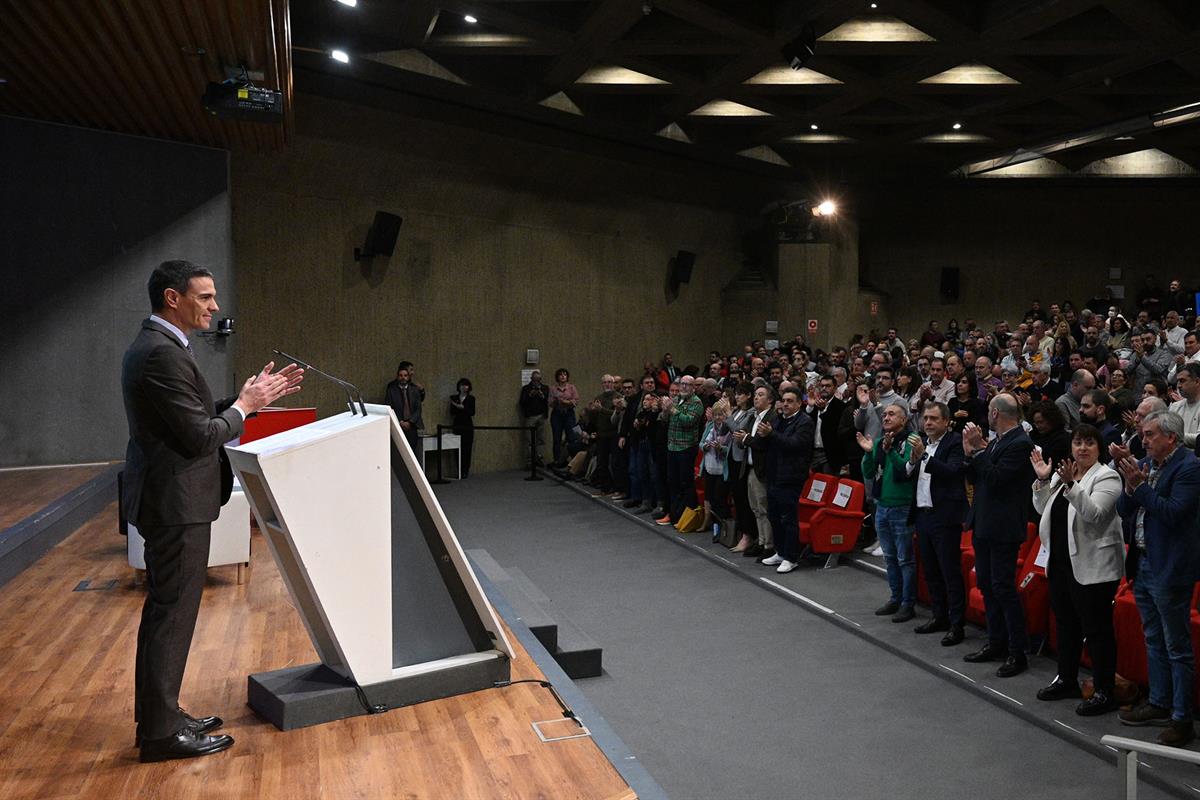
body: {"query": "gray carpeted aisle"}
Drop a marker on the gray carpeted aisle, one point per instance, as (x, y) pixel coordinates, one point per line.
(724, 690)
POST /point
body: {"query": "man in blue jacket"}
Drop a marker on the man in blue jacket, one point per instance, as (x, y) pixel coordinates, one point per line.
(1160, 505)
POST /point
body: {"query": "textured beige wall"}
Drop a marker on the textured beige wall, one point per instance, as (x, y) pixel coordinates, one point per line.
(485, 267)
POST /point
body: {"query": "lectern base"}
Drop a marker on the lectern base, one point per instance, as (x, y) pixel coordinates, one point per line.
(296, 697)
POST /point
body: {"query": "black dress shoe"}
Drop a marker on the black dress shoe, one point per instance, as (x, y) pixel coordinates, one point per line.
(184, 744)
(887, 609)
(933, 626)
(955, 636)
(904, 614)
(201, 725)
(1013, 665)
(1100, 702)
(989, 652)
(753, 551)
(1058, 689)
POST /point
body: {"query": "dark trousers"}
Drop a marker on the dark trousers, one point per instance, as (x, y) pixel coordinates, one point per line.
(739, 473)
(619, 467)
(940, 547)
(413, 437)
(659, 476)
(176, 563)
(996, 576)
(681, 480)
(562, 424)
(782, 512)
(467, 444)
(601, 476)
(1084, 611)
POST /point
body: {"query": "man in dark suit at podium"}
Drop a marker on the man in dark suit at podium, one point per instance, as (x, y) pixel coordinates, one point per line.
(175, 483)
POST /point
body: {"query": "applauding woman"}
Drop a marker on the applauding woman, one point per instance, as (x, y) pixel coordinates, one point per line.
(1081, 530)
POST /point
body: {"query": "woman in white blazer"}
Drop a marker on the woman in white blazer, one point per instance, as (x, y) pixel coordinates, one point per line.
(1082, 532)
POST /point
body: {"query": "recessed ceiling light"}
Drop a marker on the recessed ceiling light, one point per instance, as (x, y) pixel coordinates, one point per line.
(469, 18)
(340, 56)
(957, 126)
(350, 3)
(874, 5)
(814, 127)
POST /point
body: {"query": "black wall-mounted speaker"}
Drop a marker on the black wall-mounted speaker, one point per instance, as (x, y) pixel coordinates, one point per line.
(381, 238)
(681, 267)
(949, 283)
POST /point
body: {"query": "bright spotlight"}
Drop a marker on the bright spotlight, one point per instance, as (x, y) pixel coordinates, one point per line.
(814, 127)
(469, 18)
(957, 126)
(340, 56)
(350, 3)
(826, 209)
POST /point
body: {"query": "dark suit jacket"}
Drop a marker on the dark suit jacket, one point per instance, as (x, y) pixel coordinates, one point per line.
(835, 451)
(789, 450)
(394, 397)
(173, 473)
(947, 489)
(1171, 524)
(1003, 478)
(758, 444)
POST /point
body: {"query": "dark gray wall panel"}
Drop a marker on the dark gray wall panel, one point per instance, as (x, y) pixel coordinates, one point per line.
(84, 218)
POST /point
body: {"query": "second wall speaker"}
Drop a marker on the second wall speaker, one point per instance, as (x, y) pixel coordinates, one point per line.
(381, 238)
(949, 283)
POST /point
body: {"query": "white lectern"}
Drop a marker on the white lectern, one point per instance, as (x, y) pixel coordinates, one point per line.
(391, 604)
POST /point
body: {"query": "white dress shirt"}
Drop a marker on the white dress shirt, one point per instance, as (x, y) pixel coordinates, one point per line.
(924, 479)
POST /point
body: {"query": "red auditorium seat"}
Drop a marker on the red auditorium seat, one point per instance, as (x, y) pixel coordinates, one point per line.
(818, 490)
(833, 529)
(1035, 590)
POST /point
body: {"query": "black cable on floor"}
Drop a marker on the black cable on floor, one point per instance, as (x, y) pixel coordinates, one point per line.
(567, 712)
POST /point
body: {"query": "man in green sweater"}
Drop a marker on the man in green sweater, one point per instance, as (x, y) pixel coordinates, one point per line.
(885, 460)
(683, 436)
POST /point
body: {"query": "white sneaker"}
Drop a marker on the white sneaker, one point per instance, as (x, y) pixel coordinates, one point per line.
(871, 547)
(784, 566)
(878, 551)
(773, 560)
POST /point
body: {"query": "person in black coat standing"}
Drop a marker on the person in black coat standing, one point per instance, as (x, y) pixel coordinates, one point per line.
(1002, 474)
(462, 422)
(405, 398)
(939, 507)
(175, 483)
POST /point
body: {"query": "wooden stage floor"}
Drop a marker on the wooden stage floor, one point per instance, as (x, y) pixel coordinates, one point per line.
(66, 709)
(27, 491)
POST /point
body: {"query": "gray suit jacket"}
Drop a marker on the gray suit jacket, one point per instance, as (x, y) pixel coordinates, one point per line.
(1094, 537)
(173, 474)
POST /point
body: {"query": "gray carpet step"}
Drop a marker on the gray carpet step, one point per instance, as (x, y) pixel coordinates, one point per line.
(578, 654)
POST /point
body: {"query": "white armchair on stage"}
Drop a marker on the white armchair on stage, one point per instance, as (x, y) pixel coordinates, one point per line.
(230, 542)
(392, 607)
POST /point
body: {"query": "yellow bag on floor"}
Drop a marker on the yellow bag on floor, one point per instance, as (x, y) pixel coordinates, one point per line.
(690, 520)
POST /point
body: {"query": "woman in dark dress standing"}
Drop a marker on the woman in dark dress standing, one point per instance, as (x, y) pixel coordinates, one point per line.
(462, 412)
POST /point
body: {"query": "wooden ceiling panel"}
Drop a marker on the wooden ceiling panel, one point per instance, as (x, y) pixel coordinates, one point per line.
(141, 66)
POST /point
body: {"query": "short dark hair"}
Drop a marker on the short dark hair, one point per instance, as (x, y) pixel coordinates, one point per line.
(172, 275)
(792, 390)
(885, 368)
(466, 381)
(1191, 368)
(1099, 397)
(1088, 433)
(1050, 412)
(404, 365)
(936, 405)
(744, 387)
(566, 373)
